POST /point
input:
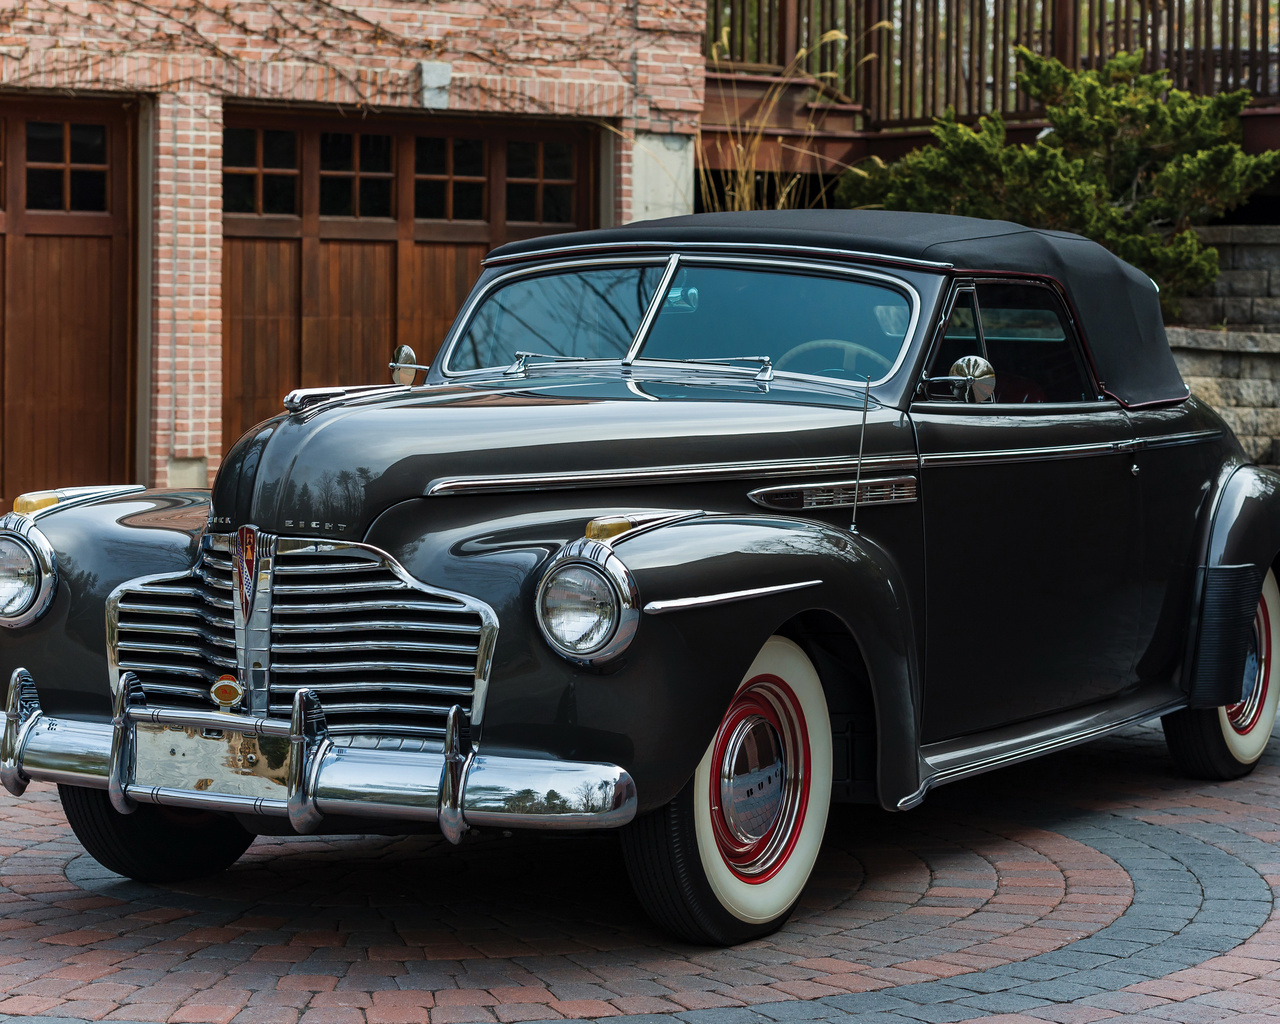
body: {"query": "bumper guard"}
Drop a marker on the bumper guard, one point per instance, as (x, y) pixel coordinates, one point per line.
(456, 787)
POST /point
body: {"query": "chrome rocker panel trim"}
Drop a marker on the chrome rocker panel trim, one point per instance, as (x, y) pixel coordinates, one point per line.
(456, 787)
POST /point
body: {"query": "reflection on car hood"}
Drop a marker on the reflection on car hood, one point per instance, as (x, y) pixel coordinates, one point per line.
(329, 470)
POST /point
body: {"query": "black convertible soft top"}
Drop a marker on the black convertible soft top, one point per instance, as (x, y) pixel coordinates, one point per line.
(1117, 305)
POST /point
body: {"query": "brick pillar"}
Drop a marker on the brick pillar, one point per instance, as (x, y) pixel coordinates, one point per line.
(186, 363)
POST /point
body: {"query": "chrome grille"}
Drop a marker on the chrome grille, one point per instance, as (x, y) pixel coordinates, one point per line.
(387, 656)
(383, 656)
(177, 632)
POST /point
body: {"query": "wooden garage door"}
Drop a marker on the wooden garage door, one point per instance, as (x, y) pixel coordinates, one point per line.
(66, 372)
(346, 237)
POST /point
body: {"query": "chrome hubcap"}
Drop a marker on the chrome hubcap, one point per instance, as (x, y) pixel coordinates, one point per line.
(1244, 715)
(752, 780)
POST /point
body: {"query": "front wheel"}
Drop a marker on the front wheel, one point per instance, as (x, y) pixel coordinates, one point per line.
(726, 860)
(1226, 742)
(153, 844)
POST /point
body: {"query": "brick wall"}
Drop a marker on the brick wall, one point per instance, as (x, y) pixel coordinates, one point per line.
(634, 65)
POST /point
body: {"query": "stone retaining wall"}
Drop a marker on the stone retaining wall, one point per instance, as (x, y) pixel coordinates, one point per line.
(1246, 295)
(1238, 373)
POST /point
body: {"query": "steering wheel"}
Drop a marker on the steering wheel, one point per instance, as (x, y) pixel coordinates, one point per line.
(851, 350)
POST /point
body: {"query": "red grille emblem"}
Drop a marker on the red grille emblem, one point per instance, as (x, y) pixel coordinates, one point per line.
(226, 692)
(246, 565)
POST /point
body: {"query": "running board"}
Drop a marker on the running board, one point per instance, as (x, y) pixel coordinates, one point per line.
(959, 758)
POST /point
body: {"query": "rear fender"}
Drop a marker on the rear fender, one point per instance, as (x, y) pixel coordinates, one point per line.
(1242, 545)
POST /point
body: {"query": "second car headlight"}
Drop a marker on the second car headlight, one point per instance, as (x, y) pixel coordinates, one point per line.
(19, 577)
(587, 604)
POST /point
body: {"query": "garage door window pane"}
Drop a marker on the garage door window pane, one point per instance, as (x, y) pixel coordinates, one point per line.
(522, 202)
(336, 151)
(44, 143)
(375, 153)
(375, 197)
(468, 200)
(44, 189)
(239, 148)
(429, 157)
(335, 197)
(279, 193)
(557, 204)
(89, 190)
(557, 160)
(428, 199)
(88, 144)
(468, 158)
(522, 160)
(279, 149)
(237, 193)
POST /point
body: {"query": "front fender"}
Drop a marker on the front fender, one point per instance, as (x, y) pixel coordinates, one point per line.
(97, 547)
(859, 583)
(1242, 545)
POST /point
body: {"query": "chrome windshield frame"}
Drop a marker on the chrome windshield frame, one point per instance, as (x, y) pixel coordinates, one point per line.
(671, 262)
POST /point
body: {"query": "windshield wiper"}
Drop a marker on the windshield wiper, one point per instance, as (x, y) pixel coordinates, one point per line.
(764, 375)
(523, 357)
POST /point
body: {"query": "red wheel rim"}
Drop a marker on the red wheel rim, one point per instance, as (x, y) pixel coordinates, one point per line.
(765, 704)
(1245, 715)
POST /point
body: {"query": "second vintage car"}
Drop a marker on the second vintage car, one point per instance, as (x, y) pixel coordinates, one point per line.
(692, 528)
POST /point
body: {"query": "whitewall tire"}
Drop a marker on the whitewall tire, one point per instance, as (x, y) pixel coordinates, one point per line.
(728, 858)
(1226, 742)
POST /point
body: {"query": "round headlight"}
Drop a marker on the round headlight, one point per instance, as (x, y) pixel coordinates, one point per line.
(578, 609)
(19, 577)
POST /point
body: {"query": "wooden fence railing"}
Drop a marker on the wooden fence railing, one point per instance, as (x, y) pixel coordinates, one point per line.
(937, 54)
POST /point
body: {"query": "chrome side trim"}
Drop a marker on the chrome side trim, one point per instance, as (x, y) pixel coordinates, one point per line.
(1177, 440)
(24, 529)
(1067, 451)
(86, 496)
(501, 483)
(707, 600)
(387, 784)
(568, 250)
(961, 762)
(894, 490)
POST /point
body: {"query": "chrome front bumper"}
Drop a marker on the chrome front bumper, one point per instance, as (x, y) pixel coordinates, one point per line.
(456, 787)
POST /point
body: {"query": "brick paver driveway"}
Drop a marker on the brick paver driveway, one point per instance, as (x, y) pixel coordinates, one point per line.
(1088, 885)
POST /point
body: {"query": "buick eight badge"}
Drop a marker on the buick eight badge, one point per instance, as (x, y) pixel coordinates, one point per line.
(691, 528)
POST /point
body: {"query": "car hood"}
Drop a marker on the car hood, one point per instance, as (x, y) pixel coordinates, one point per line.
(330, 470)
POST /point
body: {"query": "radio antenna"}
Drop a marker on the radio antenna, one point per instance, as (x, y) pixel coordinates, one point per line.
(862, 437)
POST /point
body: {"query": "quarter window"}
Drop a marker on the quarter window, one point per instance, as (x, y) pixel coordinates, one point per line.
(1030, 345)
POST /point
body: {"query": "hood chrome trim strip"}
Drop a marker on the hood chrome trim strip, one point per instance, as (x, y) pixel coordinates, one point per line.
(506, 483)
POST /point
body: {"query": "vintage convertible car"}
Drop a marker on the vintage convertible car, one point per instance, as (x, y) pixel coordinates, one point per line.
(693, 527)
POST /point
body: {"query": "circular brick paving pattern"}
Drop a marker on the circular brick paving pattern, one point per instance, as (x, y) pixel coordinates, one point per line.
(1079, 887)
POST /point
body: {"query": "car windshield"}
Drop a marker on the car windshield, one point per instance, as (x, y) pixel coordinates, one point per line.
(584, 314)
(830, 325)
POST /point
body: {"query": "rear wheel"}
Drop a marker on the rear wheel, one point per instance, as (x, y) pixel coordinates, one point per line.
(727, 859)
(1226, 742)
(153, 844)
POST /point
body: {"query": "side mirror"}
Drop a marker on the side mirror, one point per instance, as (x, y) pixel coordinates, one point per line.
(404, 366)
(972, 379)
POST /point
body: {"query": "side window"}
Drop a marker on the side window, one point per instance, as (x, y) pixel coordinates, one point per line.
(1030, 345)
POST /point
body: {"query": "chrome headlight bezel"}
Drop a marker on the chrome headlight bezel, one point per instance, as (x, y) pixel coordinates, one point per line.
(600, 558)
(22, 530)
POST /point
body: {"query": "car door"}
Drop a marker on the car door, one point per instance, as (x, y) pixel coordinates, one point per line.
(1031, 508)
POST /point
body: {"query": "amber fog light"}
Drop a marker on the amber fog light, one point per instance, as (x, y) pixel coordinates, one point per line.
(587, 605)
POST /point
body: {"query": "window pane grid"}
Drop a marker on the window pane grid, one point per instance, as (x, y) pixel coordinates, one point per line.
(541, 182)
(260, 171)
(66, 167)
(356, 175)
(449, 179)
